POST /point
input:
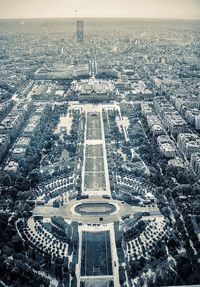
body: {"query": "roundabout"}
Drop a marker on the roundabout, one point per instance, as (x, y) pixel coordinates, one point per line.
(87, 210)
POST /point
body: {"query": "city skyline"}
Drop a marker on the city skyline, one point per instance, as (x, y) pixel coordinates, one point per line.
(99, 147)
(186, 9)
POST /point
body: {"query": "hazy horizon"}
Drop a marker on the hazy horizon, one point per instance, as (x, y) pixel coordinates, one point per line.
(130, 9)
(106, 18)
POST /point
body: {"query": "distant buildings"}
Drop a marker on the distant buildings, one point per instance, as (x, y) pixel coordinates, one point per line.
(12, 166)
(4, 108)
(189, 108)
(195, 163)
(162, 113)
(62, 72)
(33, 123)
(4, 144)
(20, 148)
(10, 127)
(94, 90)
(80, 31)
(18, 153)
(153, 121)
(32, 126)
(11, 124)
(175, 123)
(138, 90)
(188, 143)
(166, 146)
(172, 120)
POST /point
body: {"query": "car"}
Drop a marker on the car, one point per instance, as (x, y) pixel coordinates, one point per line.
(126, 216)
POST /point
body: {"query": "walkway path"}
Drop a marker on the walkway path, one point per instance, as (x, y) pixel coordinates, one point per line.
(96, 190)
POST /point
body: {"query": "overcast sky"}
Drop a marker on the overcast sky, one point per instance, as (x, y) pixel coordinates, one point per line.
(186, 9)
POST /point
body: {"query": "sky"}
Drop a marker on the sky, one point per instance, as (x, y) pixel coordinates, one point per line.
(176, 9)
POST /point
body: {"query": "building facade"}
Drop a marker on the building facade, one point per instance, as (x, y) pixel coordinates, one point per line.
(80, 31)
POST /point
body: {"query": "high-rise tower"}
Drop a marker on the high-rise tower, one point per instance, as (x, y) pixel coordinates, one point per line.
(80, 31)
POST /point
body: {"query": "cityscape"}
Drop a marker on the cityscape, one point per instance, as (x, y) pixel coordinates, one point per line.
(100, 152)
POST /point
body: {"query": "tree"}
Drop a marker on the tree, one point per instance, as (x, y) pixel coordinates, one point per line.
(184, 266)
(6, 180)
(13, 192)
(58, 271)
(17, 243)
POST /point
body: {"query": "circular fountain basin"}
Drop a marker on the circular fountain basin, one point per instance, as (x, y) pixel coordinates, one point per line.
(95, 208)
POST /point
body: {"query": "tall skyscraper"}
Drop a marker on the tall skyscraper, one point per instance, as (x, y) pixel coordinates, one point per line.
(80, 31)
